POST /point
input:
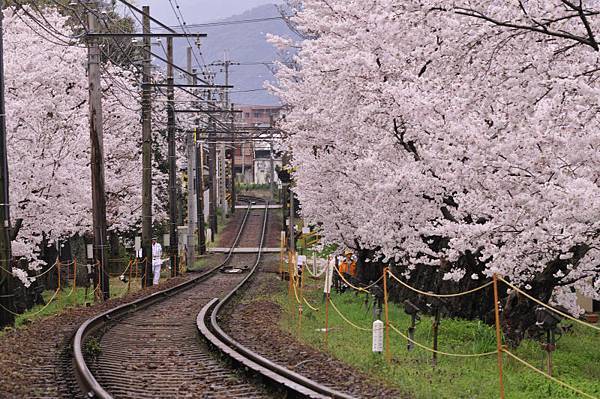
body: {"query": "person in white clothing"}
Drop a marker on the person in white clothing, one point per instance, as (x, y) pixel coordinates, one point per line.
(156, 261)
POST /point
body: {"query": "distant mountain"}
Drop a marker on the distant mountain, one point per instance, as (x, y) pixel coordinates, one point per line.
(245, 44)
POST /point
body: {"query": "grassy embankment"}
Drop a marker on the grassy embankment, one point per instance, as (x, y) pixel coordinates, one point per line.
(69, 298)
(575, 361)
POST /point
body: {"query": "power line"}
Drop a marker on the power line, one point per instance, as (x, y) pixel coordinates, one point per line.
(238, 22)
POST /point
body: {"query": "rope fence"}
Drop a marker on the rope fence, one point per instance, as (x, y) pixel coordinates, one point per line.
(495, 282)
(361, 289)
(346, 319)
(431, 294)
(406, 337)
(548, 376)
(565, 315)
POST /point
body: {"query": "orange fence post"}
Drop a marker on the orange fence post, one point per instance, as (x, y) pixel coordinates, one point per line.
(498, 335)
(327, 293)
(130, 272)
(290, 275)
(326, 319)
(388, 356)
(281, 254)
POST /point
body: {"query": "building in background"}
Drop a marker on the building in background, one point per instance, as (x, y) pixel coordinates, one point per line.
(253, 158)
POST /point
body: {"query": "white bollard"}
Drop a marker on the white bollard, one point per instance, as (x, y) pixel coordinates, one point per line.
(209, 235)
(377, 336)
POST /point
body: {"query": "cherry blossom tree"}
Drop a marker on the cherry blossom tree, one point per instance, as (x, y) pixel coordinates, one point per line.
(48, 138)
(429, 132)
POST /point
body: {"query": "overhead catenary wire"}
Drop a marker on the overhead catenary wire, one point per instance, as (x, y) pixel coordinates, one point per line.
(236, 22)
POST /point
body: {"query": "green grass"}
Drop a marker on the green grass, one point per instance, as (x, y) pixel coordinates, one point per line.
(575, 361)
(67, 299)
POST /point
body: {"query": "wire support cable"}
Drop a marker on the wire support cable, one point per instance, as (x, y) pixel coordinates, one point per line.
(440, 295)
(563, 314)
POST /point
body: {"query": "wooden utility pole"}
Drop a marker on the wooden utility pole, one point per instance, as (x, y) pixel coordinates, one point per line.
(191, 169)
(212, 162)
(272, 182)
(173, 239)
(6, 283)
(97, 162)
(147, 153)
(200, 196)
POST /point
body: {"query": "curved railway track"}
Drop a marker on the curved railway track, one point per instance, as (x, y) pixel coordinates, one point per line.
(149, 348)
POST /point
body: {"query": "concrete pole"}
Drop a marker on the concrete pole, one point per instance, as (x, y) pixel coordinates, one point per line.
(97, 163)
(191, 162)
(147, 154)
(6, 279)
(173, 239)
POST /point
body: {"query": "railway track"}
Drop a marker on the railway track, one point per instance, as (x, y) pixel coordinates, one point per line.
(150, 348)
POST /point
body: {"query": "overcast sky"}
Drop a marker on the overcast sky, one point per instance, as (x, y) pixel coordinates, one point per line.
(198, 11)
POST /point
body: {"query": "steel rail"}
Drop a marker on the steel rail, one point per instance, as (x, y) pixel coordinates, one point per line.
(86, 380)
(296, 385)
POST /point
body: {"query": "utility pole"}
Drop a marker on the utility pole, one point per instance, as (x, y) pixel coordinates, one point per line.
(200, 196)
(6, 289)
(191, 158)
(271, 157)
(212, 162)
(222, 166)
(233, 189)
(146, 153)
(97, 161)
(173, 239)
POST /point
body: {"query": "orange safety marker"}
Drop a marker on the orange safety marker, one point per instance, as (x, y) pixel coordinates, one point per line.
(388, 356)
(498, 335)
(281, 254)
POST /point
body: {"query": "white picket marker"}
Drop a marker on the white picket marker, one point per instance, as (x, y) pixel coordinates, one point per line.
(328, 278)
(377, 336)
